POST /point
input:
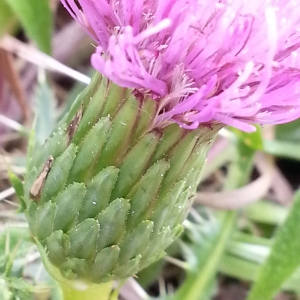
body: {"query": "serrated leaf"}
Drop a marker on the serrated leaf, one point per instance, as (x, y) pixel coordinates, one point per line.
(31, 146)
(44, 109)
(36, 18)
(17, 288)
(14, 244)
(284, 258)
(83, 99)
(197, 284)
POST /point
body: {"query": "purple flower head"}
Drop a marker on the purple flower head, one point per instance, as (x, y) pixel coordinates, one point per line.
(235, 62)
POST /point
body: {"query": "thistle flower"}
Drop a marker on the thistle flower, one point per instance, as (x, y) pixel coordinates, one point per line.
(230, 62)
(108, 191)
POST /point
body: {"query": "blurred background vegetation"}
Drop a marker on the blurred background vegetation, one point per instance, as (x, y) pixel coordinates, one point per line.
(242, 235)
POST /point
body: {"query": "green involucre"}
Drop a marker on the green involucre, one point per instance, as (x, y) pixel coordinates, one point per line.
(117, 191)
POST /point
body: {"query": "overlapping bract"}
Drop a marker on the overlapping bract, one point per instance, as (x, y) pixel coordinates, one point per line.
(234, 62)
(115, 193)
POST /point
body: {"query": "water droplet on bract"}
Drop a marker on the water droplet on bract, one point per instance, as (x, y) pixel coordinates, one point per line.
(94, 202)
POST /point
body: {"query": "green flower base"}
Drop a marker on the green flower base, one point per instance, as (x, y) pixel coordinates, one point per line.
(107, 193)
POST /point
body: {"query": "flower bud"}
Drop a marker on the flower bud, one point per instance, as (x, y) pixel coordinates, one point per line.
(107, 193)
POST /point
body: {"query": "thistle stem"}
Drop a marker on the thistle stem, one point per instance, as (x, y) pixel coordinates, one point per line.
(81, 292)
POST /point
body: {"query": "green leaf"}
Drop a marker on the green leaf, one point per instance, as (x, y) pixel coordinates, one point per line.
(199, 279)
(243, 269)
(16, 288)
(14, 244)
(36, 18)
(283, 149)
(253, 140)
(18, 186)
(7, 18)
(284, 258)
(289, 132)
(44, 109)
(236, 267)
(266, 212)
